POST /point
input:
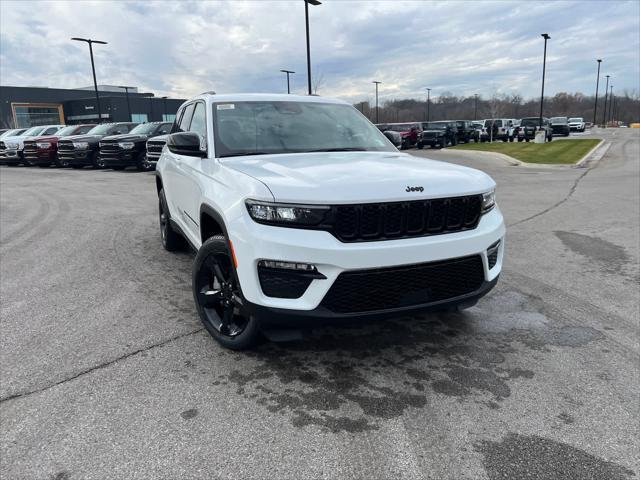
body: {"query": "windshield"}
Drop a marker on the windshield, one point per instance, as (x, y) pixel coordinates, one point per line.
(400, 127)
(11, 133)
(272, 127)
(65, 131)
(33, 131)
(575, 120)
(145, 128)
(434, 125)
(530, 122)
(559, 120)
(100, 129)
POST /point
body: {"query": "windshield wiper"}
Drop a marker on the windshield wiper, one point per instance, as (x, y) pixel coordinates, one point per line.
(344, 149)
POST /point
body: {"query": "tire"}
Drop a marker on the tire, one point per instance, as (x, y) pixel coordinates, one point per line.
(96, 161)
(218, 297)
(526, 140)
(143, 164)
(62, 163)
(172, 241)
(420, 145)
(550, 138)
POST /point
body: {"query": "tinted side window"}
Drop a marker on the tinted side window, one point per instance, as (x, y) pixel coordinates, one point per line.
(199, 122)
(185, 121)
(50, 131)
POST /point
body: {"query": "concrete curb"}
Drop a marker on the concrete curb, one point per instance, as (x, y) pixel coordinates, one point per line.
(586, 159)
(493, 155)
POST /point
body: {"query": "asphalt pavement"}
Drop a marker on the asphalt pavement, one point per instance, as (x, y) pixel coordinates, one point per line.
(106, 372)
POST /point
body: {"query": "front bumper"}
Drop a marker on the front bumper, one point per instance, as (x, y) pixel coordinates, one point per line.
(332, 257)
(77, 157)
(121, 159)
(10, 156)
(41, 158)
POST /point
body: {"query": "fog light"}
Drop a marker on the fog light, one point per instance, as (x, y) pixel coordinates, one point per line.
(492, 254)
(304, 267)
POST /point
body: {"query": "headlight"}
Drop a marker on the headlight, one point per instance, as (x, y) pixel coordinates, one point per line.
(488, 201)
(126, 145)
(43, 145)
(12, 145)
(81, 145)
(286, 214)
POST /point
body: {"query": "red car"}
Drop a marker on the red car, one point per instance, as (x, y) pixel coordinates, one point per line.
(411, 133)
(43, 151)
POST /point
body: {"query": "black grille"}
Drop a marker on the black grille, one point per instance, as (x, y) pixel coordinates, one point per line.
(381, 221)
(65, 146)
(282, 283)
(155, 147)
(109, 148)
(396, 287)
(30, 148)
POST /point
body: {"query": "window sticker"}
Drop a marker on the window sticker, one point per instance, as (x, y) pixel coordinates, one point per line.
(226, 106)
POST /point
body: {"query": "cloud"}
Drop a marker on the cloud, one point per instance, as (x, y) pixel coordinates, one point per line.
(183, 48)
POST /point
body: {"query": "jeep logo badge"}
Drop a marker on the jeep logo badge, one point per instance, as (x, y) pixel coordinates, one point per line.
(414, 189)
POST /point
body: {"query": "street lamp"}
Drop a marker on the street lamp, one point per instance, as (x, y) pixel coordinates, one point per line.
(544, 67)
(377, 110)
(428, 103)
(288, 72)
(93, 69)
(306, 19)
(606, 92)
(126, 89)
(475, 108)
(595, 107)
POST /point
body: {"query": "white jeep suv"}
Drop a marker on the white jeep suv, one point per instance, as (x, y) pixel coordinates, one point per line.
(302, 213)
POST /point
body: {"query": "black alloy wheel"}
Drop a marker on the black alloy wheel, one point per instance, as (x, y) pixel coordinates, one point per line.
(144, 165)
(219, 299)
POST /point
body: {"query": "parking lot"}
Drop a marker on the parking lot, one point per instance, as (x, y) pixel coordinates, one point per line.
(107, 373)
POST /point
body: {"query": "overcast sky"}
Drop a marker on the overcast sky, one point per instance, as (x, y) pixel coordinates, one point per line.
(180, 49)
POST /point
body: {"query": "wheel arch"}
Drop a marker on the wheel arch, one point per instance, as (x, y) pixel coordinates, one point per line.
(211, 223)
(158, 183)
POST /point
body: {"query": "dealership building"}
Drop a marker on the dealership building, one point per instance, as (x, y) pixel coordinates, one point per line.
(30, 106)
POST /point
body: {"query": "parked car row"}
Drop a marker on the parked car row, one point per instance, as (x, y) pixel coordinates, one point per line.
(108, 145)
(443, 133)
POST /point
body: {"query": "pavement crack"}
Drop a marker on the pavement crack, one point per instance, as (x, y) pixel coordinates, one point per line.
(98, 367)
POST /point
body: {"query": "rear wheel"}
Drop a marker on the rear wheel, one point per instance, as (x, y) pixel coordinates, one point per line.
(219, 299)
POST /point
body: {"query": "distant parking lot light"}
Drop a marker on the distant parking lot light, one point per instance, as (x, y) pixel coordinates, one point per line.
(93, 69)
(377, 110)
(428, 103)
(595, 107)
(544, 67)
(288, 72)
(306, 19)
(606, 93)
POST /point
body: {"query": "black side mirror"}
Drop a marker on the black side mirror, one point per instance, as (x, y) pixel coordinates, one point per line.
(186, 143)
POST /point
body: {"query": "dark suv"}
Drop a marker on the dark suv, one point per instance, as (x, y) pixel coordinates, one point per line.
(465, 130)
(439, 134)
(530, 125)
(409, 132)
(82, 150)
(129, 150)
(560, 126)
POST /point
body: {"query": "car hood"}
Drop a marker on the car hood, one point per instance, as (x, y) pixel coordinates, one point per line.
(84, 138)
(359, 177)
(159, 138)
(46, 138)
(126, 137)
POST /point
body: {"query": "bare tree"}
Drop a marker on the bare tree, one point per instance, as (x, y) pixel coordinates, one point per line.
(318, 81)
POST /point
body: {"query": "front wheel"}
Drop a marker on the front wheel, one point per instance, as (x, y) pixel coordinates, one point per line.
(219, 300)
(420, 145)
(144, 165)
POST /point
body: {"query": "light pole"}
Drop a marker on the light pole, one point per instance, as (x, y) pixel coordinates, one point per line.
(306, 19)
(428, 103)
(606, 92)
(544, 67)
(93, 69)
(595, 106)
(475, 108)
(288, 72)
(126, 90)
(611, 104)
(377, 110)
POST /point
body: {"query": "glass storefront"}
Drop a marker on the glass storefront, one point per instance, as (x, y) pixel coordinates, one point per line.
(30, 115)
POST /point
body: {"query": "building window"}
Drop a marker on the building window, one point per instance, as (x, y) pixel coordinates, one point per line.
(139, 117)
(168, 117)
(33, 114)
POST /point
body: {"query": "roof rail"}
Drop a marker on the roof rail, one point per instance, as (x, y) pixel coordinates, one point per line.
(210, 92)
